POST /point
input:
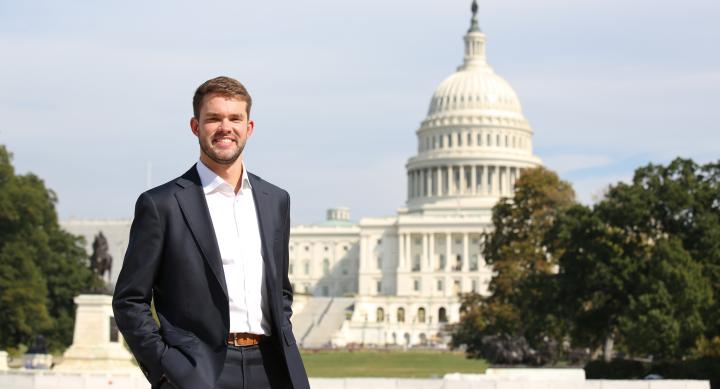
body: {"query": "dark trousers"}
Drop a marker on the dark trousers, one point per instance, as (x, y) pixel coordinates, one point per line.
(254, 367)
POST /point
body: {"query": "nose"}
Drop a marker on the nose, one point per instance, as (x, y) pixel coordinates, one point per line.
(225, 125)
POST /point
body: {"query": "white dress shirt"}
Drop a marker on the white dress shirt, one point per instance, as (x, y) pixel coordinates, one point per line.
(236, 228)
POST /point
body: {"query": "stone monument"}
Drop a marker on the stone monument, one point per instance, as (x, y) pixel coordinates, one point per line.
(97, 343)
(37, 356)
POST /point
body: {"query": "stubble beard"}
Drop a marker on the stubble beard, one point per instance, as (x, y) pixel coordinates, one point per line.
(210, 153)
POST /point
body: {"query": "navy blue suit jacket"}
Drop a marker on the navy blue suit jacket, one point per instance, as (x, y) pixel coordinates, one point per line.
(173, 259)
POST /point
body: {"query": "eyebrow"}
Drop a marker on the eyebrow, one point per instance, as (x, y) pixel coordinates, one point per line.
(214, 114)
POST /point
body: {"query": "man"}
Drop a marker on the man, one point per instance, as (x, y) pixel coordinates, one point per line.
(210, 249)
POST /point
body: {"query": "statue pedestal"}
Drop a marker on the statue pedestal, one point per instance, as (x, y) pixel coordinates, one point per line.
(3, 360)
(37, 361)
(97, 344)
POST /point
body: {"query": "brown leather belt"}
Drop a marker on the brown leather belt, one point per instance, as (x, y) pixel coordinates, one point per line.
(244, 339)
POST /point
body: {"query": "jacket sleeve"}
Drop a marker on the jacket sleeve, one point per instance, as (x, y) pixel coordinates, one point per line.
(133, 291)
(287, 292)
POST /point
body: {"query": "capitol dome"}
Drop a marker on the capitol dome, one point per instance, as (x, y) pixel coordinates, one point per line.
(474, 141)
(475, 90)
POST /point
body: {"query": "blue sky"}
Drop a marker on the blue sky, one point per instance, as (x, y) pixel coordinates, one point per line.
(93, 92)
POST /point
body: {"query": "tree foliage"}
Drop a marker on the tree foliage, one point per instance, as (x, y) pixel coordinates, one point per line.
(522, 262)
(640, 269)
(42, 267)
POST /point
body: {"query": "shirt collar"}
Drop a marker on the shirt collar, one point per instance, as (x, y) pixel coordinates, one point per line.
(212, 182)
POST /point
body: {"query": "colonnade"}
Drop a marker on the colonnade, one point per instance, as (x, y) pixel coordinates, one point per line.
(460, 180)
(414, 257)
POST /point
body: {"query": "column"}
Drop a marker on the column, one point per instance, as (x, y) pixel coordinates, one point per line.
(448, 251)
(473, 179)
(424, 256)
(431, 253)
(401, 251)
(495, 179)
(428, 181)
(506, 185)
(418, 193)
(408, 251)
(451, 180)
(438, 178)
(462, 179)
(412, 183)
(483, 179)
(466, 253)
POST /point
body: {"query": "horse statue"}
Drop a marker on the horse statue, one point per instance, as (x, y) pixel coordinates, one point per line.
(101, 260)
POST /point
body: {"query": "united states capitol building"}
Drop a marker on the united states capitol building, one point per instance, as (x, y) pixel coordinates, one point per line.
(395, 280)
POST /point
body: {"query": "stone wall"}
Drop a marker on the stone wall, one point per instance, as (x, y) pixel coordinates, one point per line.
(27, 379)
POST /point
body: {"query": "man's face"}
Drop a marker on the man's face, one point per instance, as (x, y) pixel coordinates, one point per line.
(222, 128)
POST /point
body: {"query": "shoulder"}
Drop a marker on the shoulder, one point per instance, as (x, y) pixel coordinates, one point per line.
(161, 194)
(260, 184)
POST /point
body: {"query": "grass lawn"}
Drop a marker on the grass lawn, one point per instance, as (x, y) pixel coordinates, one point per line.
(380, 363)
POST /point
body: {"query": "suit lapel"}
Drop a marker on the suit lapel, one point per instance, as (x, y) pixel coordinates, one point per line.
(264, 217)
(197, 216)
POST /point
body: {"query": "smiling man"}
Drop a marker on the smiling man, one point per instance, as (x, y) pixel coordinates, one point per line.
(210, 249)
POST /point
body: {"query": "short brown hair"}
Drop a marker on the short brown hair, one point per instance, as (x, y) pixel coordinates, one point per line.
(223, 86)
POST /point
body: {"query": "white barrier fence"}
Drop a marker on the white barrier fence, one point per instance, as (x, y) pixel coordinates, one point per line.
(29, 379)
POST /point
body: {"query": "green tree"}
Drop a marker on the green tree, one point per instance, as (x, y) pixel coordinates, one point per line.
(523, 263)
(664, 317)
(680, 200)
(637, 268)
(42, 267)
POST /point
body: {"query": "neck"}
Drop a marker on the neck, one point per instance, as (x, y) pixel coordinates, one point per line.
(231, 173)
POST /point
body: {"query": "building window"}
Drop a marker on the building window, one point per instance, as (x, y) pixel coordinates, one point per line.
(379, 242)
(306, 267)
(307, 248)
(442, 262)
(489, 138)
(442, 315)
(416, 263)
(416, 285)
(440, 285)
(449, 137)
(401, 315)
(469, 139)
(479, 139)
(379, 262)
(326, 266)
(380, 315)
(458, 263)
(345, 248)
(378, 286)
(421, 315)
(326, 248)
(473, 262)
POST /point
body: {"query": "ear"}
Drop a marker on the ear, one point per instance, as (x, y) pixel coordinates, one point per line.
(251, 126)
(194, 123)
